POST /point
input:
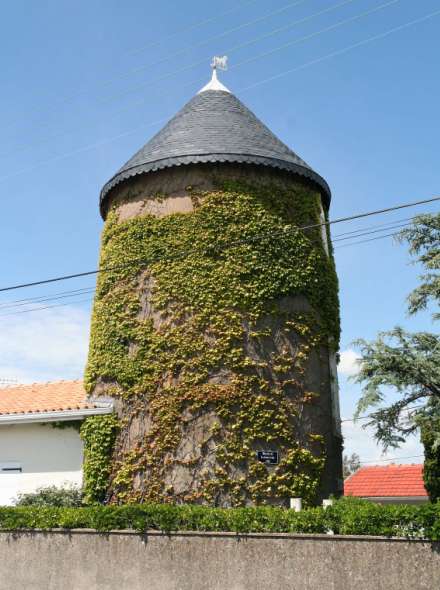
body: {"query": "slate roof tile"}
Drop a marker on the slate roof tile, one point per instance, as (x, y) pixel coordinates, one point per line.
(214, 126)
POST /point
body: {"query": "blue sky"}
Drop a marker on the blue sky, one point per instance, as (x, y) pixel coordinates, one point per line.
(85, 84)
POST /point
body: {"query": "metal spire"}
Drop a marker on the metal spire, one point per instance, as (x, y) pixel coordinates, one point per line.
(220, 63)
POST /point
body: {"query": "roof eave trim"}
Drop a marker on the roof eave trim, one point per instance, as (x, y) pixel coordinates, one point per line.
(390, 498)
(214, 158)
(60, 416)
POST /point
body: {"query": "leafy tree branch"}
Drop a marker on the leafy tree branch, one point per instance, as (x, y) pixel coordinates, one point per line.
(408, 363)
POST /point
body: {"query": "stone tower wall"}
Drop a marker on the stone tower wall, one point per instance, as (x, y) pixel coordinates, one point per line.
(207, 370)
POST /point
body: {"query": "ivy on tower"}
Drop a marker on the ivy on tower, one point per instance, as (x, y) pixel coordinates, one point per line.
(216, 324)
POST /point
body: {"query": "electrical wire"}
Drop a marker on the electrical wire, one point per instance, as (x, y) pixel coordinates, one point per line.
(4, 306)
(3, 315)
(244, 89)
(86, 290)
(150, 46)
(344, 50)
(316, 33)
(290, 229)
(367, 233)
(233, 244)
(392, 235)
(77, 292)
(187, 49)
(383, 225)
(368, 416)
(44, 298)
(154, 82)
(216, 38)
(285, 28)
(391, 459)
(189, 28)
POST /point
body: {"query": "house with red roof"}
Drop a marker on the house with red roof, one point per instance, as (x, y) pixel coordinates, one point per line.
(388, 484)
(34, 450)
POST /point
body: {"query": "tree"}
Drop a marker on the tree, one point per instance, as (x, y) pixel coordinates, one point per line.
(423, 238)
(351, 464)
(430, 428)
(409, 363)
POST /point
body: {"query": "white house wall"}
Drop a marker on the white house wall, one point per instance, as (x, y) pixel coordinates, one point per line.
(46, 455)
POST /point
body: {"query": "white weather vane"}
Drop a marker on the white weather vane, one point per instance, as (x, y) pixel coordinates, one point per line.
(219, 62)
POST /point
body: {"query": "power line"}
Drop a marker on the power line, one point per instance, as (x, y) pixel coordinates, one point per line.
(340, 220)
(262, 37)
(37, 309)
(383, 225)
(80, 150)
(235, 243)
(185, 50)
(367, 233)
(244, 89)
(391, 459)
(317, 33)
(43, 298)
(286, 28)
(54, 280)
(293, 229)
(156, 43)
(190, 28)
(92, 290)
(223, 34)
(77, 292)
(3, 315)
(392, 235)
(203, 61)
(368, 416)
(344, 50)
(239, 64)
(351, 19)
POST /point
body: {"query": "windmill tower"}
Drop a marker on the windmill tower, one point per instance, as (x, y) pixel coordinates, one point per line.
(216, 323)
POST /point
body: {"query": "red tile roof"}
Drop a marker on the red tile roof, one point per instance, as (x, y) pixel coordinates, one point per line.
(386, 481)
(43, 397)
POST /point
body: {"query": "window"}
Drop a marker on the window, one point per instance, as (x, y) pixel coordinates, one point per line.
(10, 467)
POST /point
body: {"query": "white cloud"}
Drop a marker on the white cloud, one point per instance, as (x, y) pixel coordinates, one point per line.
(44, 346)
(52, 344)
(349, 363)
(361, 441)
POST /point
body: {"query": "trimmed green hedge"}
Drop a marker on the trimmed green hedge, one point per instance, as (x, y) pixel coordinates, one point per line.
(347, 517)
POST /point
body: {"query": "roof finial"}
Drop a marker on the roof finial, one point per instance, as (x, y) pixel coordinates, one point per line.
(221, 63)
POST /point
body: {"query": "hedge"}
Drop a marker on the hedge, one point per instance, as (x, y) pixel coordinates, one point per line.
(347, 517)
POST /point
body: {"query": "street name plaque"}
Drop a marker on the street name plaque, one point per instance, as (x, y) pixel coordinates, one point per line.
(268, 457)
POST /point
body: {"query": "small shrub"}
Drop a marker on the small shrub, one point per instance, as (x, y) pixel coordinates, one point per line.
(62, 497)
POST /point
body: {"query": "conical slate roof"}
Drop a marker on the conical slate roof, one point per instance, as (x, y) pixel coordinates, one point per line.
(214, 126)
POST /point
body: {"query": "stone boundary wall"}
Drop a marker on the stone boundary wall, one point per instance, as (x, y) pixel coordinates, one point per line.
(123, 560)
